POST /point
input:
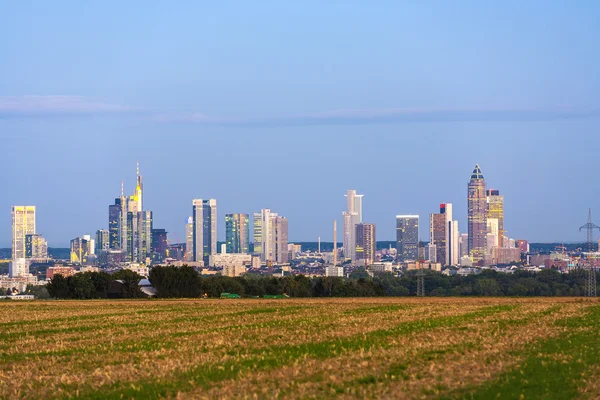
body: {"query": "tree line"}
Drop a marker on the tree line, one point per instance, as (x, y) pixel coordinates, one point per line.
(184, 282)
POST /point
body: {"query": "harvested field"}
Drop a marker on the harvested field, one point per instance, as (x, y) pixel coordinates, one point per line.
(476, 348)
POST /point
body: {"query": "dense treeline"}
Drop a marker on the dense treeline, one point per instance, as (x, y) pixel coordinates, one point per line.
(177, 282)
(94, 285)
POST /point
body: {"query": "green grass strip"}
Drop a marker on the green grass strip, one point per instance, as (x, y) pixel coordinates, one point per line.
(205, 376)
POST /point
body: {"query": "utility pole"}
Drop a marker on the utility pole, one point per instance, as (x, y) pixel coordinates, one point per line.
(420, 283)
(590, 287)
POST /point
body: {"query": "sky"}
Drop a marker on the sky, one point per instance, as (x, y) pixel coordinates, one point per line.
(286, 105)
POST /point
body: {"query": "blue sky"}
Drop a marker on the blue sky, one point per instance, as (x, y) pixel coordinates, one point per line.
(287, 104)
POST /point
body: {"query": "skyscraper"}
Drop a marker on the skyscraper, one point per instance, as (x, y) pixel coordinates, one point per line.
(23, 223)
(407, 237)
(452, 236)
(270, 236)
(204, 217)
(438, 235)
(495, 211)
(477, 216)
(36, 246)
(189, 240)
(160, 244)
(352, 216)
(80, 249)
(365, 243)
(237, 233)
(102, 240)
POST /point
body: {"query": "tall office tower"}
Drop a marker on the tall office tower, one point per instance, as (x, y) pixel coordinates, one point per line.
(138, 195)
(280, 230)
(270, 236)
(114, 224)
(366, 243)
(477, 216)
(143, 236)
(189, 240)
(36, 246)
(452, 236)
(495, 210)
(464, 244)
(237, 233)
(352, 216)
(102, 240)
(80, 249)
(407, 237)
(160, 244)
(23, 223)
(437, 235)
(205, 229)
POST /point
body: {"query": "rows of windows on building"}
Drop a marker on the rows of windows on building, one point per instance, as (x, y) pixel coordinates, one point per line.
(132, 238)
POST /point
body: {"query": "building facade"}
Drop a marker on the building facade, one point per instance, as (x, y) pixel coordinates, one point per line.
(366, 243)
(102, 240)
(270, 236)
(23, 224)
(407, 237)
(36, 247)
(495, 212)
(477, 216)
(352, 216)
(237, 233)
(204, 218)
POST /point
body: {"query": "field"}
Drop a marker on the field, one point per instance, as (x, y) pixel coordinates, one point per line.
(332, 348)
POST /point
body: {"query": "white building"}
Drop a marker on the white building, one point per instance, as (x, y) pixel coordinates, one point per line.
(333, 270)
(189, 240)
(23, 223)
(18, 268)
(271, 236)
(452, 238)
(381, 267)
(352, 217)
(234, 270)
(229, 260)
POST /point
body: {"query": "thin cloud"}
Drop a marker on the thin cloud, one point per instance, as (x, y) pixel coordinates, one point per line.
(383, 116)
(35, 105)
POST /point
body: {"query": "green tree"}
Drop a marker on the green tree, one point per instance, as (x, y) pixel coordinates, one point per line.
(58, 287)
(131, 283)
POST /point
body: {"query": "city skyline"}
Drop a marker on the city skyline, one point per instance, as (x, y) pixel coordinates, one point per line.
(490, 196)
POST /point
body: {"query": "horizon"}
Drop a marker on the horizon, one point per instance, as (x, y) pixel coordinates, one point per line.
(276, 106)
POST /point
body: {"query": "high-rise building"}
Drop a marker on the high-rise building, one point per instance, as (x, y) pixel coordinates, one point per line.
(205, 229)
(477, 216)
(23, 223)
(495, 211)
(80, 249)
(102, 240)
(438, 235)
(365, 243)
(237, 233)
(407, 237)
(270, 236)
(352, 216)
(114, 224)
(452, 251)
(523, 245)
(36, 246)
(189, 240)
(464, 245)
(160, 244)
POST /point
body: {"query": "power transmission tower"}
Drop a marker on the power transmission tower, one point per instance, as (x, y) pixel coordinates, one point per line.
(590, 286)
(420, 283)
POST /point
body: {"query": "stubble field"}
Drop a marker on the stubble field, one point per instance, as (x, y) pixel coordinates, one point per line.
(331, 348)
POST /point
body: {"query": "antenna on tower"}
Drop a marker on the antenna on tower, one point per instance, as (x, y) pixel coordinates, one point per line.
(137, 169)
(122, 188)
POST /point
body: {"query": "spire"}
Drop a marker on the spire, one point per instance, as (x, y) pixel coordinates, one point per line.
(137, 170)
(122, 188)
(477, 173)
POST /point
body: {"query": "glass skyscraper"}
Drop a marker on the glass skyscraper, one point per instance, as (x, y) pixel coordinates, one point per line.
(237, 233)
(204, 217)
(477, 216)
(407, 237)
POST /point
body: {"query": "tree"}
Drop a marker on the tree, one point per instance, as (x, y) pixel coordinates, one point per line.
(81, 286)
(58, 287)
(131, 283)
(175, 281)
(487, 287)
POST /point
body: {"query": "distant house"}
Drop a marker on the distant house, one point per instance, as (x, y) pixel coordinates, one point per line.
(117, 289)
